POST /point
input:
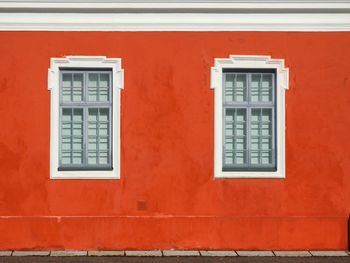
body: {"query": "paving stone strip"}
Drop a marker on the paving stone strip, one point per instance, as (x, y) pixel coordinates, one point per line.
(172, 253)
(28, 253)
(218, 253)
(180, 253)
(5, 253)
(143, 253)
(67, 253)
(329, 253)
(292, 253)
(106, 253)
(257, 253)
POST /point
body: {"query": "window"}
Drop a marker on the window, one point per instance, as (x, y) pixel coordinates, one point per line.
(85, 114)
(249, 117)
(85, 120)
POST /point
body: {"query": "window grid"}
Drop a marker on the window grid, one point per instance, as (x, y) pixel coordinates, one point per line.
(246, 103)
(85, 104)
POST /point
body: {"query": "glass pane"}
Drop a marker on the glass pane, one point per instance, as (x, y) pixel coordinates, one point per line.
(266, 81)
(239, 157)
(78, 87)
(92, 158)
(103, 143)
(66, 114)
(93, 113)
(235, 136)
(103, 157)
(77, 143)
(67, 86)
(254, 157)
(254, 87)
(266, 157)
(261, 86)
(78, 115)
(266, 129)
(266, 143)
(240, 143)
(229, 131)
(92, 129)
(266, 115)
(229, 158)
(229, 87)
(92, 86)
(104, 115)
(66, 144)
(104, 87)
(92, 144)
(254, 143)
(235, 87)
(229, 144)
(66, 129)
(240, 87)
(66, 157)
(261, 140)
(77, 157)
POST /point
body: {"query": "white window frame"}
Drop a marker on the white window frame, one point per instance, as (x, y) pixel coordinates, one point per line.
(84, 62)
(282, 76)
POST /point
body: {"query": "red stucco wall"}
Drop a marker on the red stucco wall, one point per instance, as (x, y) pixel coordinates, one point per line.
(167, 197)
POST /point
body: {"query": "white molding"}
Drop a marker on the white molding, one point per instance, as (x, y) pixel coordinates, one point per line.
(180, 15)
(282, 80)
(53, 85)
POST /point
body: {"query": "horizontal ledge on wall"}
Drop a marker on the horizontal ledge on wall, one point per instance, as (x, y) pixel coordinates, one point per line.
(172, 22)
(184, 5)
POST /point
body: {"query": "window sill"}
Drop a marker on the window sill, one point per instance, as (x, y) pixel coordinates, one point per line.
(249, 175)
(87, 174)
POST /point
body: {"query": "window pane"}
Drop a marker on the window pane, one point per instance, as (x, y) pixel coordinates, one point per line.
(254, 87)
(261, 136)
(98, 139)
(77, 157)
(261, 87)
(92, 86)
(66, 157)
(235, 87)
(78, 143)
(103, 158)
(66, 143)
(67, 84)
(92, 158)
(78, 80)
(235, 137)
(104, 87)
(98, 87)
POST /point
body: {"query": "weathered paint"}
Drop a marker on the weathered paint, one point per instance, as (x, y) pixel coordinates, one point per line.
(167, 196)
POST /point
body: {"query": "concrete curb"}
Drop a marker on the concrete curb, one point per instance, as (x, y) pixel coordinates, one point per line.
(171, 253)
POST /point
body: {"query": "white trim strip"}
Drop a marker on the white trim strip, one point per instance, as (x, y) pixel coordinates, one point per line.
(253, 6)
(172, 22)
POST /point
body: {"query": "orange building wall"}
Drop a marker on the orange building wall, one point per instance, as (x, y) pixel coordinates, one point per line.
(167, 196)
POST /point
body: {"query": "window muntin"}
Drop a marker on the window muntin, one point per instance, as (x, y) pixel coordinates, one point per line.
(249, 107)
(85, 120)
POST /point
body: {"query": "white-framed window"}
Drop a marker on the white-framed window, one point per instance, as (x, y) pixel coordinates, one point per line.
(85, 117)
(249, 117)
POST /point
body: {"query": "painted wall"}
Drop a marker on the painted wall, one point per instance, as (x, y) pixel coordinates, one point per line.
(167, 197)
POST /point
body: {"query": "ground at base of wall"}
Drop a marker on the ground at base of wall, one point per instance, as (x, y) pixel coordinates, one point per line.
(176, 254)
(82, 259)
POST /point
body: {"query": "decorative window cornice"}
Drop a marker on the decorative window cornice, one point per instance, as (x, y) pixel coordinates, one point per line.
(247, 61)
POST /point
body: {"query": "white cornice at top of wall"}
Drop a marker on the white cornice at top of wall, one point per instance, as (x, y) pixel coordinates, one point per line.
(178, 15)
(254, 6)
